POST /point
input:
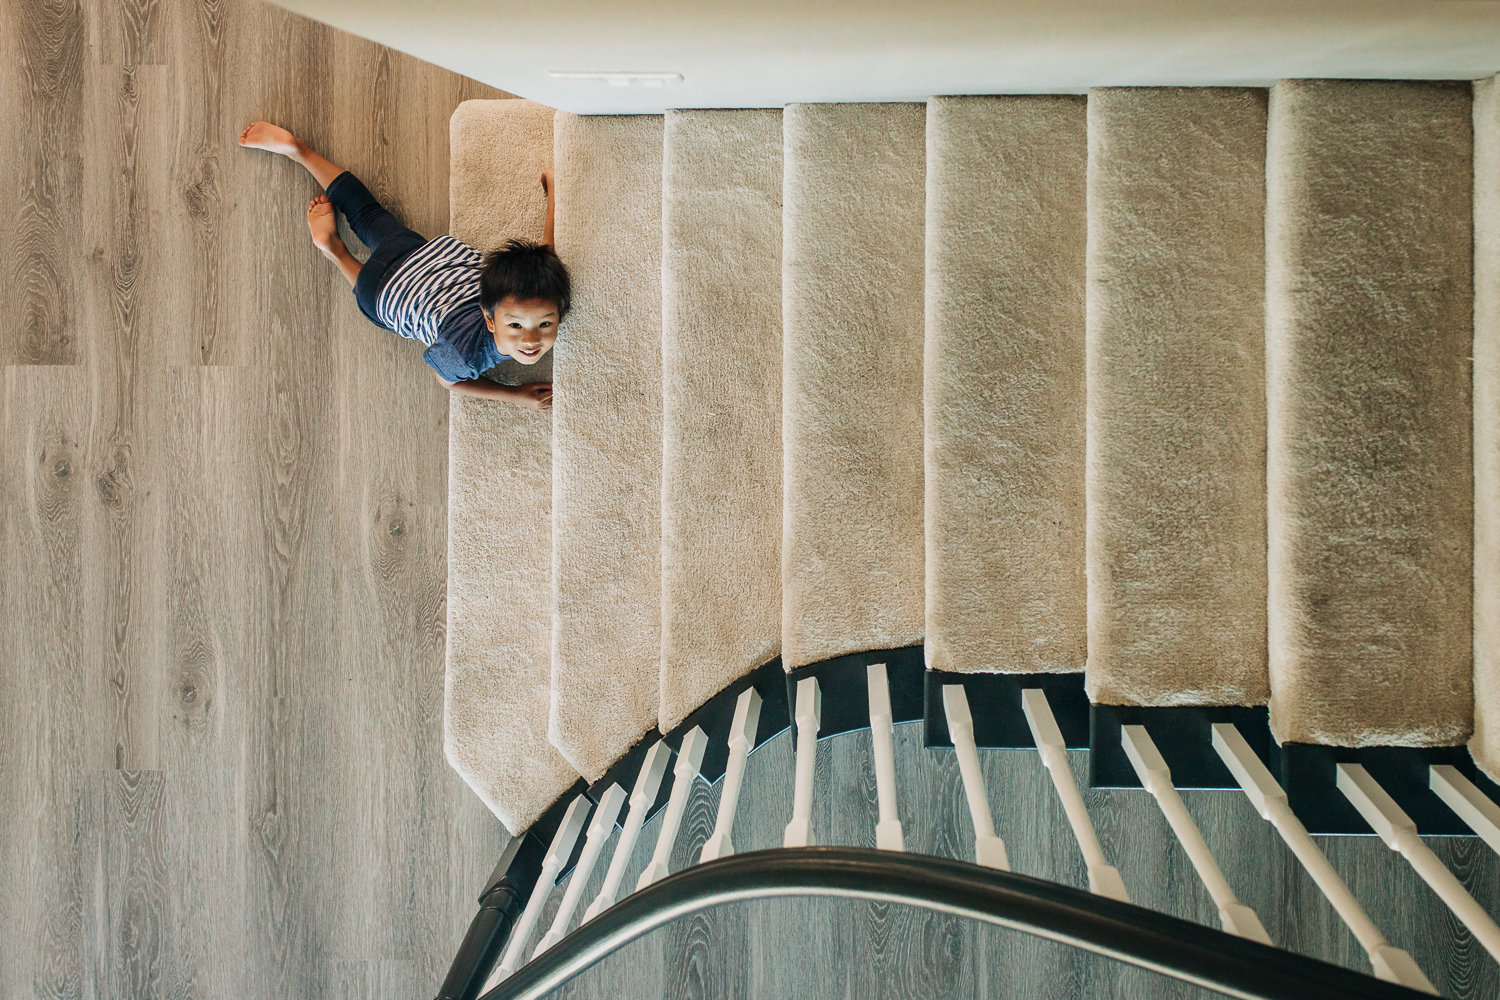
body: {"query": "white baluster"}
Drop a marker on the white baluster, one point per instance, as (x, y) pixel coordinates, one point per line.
(989, 850)
(888, 831)
(1269, 799)
(741, 742)
(809, 716)
(1473, 806)
(599, 830)
(557, 855)
(1236, 917)
(1104, 878)
(1393, 826)
(647, 784)
(689, 760)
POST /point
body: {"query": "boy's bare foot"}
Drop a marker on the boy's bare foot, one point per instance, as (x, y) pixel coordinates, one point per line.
(274, 138)
(323, 224)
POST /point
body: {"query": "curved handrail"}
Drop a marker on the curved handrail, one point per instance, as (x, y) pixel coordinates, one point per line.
(1165, 944)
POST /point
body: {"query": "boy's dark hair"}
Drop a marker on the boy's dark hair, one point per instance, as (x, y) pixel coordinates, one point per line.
(526, 270)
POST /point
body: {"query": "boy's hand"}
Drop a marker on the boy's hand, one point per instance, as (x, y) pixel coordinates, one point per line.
(546, 182)
(534, 396)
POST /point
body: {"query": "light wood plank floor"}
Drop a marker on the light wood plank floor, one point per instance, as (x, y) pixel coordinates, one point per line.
(224, 529)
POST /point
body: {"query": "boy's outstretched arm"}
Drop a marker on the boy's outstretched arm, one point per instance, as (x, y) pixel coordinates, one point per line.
(548, 186)
(533, 396)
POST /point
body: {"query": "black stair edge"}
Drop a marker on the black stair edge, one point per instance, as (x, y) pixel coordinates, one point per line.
(1183, 734)
(1308, 772)
(523, 862)
(624, 772)
(995, 703)
(717, 715)
(845, 688)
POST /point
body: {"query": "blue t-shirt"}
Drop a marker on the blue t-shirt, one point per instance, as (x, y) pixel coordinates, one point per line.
(464, 347)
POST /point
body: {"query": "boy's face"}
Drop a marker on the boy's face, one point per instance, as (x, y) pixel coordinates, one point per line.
(524, 329)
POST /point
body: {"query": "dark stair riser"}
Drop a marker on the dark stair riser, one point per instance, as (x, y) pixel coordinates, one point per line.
(1184, 735)
(995, 703)
(1309, 773)
(845, 686)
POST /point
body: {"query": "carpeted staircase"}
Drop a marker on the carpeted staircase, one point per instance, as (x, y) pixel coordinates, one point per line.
(1171, 387)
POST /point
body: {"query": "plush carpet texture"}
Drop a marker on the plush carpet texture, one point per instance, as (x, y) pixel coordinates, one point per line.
(607, 440)
(500, 505)
(1004, 376)
(852, 286)
(1176, 397)
(1485, 745)
(1369, 332)
(721, 421)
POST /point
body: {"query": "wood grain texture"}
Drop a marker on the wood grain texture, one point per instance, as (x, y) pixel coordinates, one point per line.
(46, 107)
(223, 521)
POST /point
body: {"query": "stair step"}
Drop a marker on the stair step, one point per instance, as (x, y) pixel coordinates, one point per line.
(1004, 372)
(721, 421)
(607, 434)
(1486, 742)
(495, 698)
(852, 283)
(1176, 398)
(1370, 309)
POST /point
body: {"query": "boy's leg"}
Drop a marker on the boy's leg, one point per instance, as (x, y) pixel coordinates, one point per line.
(323, 225)
(367, 217)
(275, 139)
(389, 241)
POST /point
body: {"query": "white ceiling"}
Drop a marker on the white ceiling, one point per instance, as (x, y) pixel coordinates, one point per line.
(767, 53)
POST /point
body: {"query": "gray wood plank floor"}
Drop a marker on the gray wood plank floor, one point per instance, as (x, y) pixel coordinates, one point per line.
(222, 529)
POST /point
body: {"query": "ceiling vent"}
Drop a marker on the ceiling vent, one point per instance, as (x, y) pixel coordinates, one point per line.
(620, 79)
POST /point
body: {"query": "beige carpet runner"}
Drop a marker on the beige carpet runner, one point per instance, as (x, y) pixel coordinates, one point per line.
(852, 548)
(1370, 326)
(498, 680)
(1004, 364)
(1172, 386)
(721, 422)
(1176, 397)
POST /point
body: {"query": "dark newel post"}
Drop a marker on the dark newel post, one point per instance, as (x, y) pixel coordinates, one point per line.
(500, 904)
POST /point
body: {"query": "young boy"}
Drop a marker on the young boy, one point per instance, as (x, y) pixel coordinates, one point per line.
(471, 311)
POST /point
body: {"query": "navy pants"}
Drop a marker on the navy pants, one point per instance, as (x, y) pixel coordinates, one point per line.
(389, 241)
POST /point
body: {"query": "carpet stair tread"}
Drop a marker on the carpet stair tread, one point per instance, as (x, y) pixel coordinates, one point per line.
(1176, 404)
(1369, 332)
(852, 286)
(721, 417)
(607, 434)
(497, 681)
(1004, 380)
